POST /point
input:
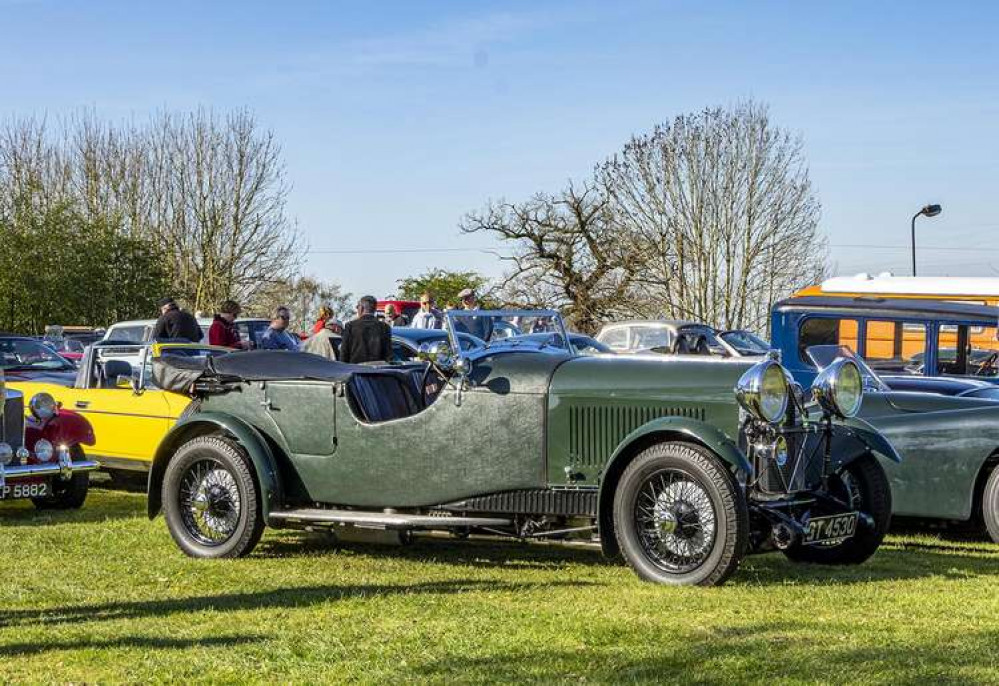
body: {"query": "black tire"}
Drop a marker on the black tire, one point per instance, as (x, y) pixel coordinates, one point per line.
(67, 495)
(870, 493)
(698, 496)
(990, 505)
(229, 522)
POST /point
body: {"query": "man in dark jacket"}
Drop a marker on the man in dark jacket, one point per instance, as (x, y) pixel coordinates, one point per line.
(366, 339)
(175, 323)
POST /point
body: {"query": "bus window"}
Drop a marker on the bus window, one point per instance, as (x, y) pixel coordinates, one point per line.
(967, 350)
(891, 346)
(823, 331)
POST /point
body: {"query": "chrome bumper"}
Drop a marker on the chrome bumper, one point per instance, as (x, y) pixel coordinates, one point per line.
(64, 467)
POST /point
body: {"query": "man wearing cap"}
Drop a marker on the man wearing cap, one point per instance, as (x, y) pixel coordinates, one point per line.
(477, 326)
(175, 323)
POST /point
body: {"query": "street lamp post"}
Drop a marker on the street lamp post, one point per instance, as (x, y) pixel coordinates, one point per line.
(929, 211)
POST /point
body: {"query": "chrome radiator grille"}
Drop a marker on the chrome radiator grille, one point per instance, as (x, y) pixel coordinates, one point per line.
(801, 470)
(13, 421)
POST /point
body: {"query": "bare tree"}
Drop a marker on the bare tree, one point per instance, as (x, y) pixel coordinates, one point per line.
(219, 193)
(567, 253)
(209, 190)
(720, 207)
(34, 173)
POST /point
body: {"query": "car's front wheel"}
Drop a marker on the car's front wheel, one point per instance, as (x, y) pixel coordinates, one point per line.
(990, 505)
(67, 495)
(680, 517)
(210, 499)
(863, 486)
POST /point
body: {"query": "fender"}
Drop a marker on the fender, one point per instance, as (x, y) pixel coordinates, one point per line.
(65, 428)
(678, 427)
(856, 430)
(251, 440)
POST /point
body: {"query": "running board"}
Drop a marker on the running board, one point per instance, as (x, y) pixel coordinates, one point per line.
(381, 520)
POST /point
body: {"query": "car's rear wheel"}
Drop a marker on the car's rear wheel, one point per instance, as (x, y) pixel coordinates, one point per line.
(680, 517)
(210, 499)
(863, 486)
(990, 505)
(67, 495)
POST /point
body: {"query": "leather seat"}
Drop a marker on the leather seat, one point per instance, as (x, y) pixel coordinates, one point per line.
(112, 370)
(382, 397)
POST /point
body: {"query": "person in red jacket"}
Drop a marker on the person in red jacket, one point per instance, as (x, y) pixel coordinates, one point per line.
(223, 330)
(325, 314)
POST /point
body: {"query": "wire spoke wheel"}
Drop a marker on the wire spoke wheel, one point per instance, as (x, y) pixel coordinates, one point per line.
(209, 502)
(675, 520)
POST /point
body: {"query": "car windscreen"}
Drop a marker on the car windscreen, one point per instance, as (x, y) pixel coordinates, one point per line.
(745, 342)
(23, 354)
(824, 355)
(130, 334)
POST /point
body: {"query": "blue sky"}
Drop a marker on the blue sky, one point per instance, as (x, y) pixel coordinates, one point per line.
(396, 118)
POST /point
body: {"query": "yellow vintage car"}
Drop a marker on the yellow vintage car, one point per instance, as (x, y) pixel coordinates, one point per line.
(114, 390)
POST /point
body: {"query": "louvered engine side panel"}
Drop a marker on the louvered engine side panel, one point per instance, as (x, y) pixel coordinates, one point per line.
(595, 431)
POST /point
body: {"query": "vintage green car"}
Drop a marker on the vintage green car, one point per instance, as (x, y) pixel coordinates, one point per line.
(663, 458)
(948, 438)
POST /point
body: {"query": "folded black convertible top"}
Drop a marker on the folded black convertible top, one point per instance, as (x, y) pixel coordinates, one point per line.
(179, 374)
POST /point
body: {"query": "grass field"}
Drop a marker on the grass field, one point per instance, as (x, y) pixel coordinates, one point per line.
(102, 595)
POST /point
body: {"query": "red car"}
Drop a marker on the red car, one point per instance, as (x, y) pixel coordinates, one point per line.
(407, 308)
(42, 458)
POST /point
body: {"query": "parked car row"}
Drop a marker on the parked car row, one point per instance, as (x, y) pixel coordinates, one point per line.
(677, 445)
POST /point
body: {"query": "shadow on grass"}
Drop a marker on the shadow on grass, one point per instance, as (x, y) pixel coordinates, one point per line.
(896, 560)
(143, 642)
(284, 598)
(24, 514)
(810, 652)
(479, 553)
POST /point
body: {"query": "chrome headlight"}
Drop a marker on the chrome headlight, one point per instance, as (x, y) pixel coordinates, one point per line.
(839, 388)
(44, 451)
(43, 406)
(762, 391)
(6, 454)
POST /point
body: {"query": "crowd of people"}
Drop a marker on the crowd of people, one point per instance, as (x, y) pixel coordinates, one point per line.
(364, 338)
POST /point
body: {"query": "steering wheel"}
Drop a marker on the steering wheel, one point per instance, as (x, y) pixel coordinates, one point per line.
(988, 365)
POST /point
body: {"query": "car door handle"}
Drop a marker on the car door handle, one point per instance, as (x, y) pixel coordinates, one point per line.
(82, 404)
